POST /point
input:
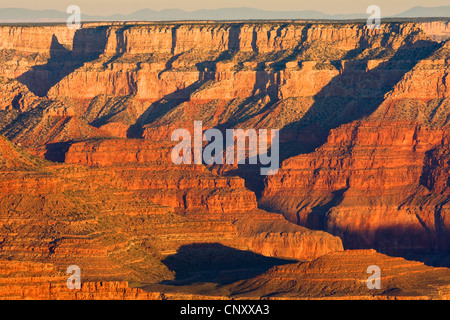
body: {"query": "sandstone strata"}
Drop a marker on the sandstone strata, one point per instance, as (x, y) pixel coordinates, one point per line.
(343, 275)
(363, 119)
(118, 230)
(38, 281)
(195, 192)
(369, 185)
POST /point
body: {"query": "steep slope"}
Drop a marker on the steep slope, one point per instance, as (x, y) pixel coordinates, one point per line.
(196, 193)
(90, 217)
(364, 132)
(39, 281)
(366, 185)
(13, 158)
(381, 182)
(122, 78)
(70, 215)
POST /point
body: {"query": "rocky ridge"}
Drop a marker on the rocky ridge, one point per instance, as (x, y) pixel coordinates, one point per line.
(363, 119)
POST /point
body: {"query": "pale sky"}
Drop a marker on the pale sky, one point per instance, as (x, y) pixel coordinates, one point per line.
(108, 7)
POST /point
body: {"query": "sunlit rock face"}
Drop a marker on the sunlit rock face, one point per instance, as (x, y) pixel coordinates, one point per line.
(86, 118)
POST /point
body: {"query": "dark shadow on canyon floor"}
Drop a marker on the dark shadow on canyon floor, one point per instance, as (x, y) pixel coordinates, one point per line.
(216, 263)
(56, 152)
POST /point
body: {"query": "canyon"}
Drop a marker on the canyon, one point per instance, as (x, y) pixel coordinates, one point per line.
(86, 176)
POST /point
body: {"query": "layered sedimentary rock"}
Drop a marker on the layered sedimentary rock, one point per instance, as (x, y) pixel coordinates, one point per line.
(346, 275)
(39, 281)
(115, 229)
(121, 78)
(154, 61)
(369, 184)
(363, 119)
(148, 170)
(439, 30)
(69, 215)
(340, 275)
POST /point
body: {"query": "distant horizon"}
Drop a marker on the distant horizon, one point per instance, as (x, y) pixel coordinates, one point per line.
(19, 15)
(329, 7)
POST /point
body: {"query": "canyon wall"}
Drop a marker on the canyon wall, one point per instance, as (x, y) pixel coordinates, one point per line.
(119, 219)
(39, 281)
(364, 134)
(342, 276)
(120, 78)
(135, 59)
(371, 184)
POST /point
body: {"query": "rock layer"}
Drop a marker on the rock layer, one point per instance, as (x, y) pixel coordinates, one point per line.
(363, 119)
(38, 281)
(344, 275)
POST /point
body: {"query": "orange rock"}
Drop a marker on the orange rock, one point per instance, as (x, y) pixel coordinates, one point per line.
(367, 185)
(119, 206)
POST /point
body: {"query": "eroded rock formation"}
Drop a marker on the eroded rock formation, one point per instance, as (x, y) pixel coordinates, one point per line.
(364, 135)
(343, 275)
